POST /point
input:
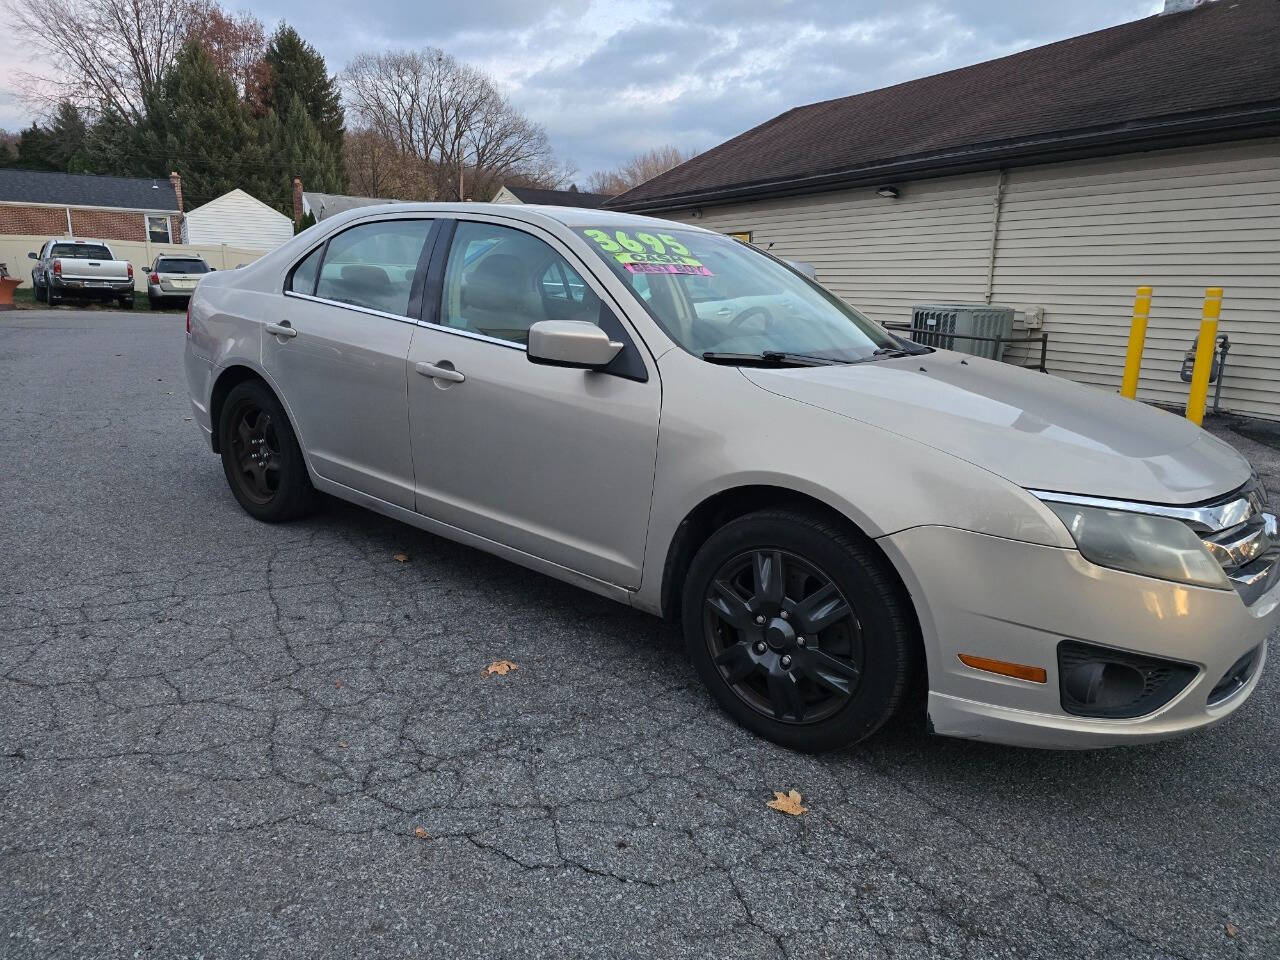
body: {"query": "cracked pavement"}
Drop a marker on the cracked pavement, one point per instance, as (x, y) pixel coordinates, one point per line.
(225, 739)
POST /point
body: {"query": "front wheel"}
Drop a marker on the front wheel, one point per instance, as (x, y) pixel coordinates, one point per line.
(261, 456)
(800, 629)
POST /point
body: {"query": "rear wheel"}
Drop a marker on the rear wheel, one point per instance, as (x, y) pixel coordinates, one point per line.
(261, 456)
(51, 298)
(126, 303)
(799, 629)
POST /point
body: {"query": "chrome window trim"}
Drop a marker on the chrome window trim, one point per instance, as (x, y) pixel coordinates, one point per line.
(351, 306)
(470, 335)
(1228, 511)
(409, 320)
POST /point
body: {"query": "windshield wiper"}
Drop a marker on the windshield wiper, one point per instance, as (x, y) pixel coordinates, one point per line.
(771, 358)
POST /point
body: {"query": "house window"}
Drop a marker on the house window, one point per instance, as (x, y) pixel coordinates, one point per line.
(158, 230)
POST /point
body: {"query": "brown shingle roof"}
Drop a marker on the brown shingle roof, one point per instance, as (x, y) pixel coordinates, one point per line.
(1211, 73)
(559, 198)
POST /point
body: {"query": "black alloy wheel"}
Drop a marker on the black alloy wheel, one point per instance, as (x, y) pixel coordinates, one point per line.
(800, 628)
(260, 455)
(783, 636)
(255, 447)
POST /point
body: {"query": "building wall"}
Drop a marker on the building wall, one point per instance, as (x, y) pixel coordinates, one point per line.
(238, 219)
(20, 219)
(1074, 238)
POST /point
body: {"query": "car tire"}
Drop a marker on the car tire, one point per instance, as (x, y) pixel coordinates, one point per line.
(152, 302)
(126, 303)
(261, 458)
(800, 629)
(51, 298)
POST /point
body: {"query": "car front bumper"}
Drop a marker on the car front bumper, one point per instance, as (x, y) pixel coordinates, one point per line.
(1013, 601)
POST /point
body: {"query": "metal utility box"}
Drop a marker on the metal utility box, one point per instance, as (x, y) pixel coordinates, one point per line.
(950, 325)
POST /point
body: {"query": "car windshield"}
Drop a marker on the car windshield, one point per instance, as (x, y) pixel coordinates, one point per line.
(714, 295)
(80, 251)
(184, 265)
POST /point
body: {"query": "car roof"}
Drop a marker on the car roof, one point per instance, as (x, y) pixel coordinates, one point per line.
(527, 212)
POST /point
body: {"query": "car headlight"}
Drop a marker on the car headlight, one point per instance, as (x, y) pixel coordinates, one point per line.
(1153, 546)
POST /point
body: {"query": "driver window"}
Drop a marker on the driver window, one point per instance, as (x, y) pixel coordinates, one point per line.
(500, 281)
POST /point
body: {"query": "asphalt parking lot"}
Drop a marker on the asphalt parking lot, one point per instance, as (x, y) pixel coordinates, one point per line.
(223, 739)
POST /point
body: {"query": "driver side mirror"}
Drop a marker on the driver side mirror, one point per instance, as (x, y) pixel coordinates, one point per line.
(32, 256)
(571, 343)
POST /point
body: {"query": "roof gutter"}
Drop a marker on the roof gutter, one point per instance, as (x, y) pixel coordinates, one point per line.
(1247, 123)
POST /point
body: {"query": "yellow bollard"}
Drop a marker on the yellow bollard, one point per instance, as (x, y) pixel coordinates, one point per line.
(1206, 343)
(1137, 338)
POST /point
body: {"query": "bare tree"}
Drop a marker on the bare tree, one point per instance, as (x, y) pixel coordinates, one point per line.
(641, 167)
(104, 54)
(445, 119)
(235, 42)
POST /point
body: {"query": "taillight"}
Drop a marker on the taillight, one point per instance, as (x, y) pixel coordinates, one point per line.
(155, 278)
(131, 271)
(57, 268)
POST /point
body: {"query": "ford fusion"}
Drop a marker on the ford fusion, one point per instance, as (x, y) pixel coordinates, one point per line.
(681, 422)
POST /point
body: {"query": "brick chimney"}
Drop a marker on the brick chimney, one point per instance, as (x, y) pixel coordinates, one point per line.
(297, 201)
(177, 187)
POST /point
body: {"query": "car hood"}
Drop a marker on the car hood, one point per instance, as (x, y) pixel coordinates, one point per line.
(1036, 430)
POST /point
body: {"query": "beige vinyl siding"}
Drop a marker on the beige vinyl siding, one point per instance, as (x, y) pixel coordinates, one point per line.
(1076, 239)
(883, 256)
(1079, 238)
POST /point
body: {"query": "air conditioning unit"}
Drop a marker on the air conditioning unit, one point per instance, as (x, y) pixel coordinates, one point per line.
(950, 325)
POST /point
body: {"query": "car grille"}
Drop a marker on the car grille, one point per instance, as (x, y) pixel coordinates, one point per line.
(1241, 536)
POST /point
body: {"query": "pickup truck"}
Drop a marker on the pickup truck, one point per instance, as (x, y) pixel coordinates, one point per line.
(87, 268)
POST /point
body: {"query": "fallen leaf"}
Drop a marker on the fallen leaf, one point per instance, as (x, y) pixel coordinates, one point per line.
(342, 744)
(186, 419)
(788, 803)
(338, 684)
(1232, 929)
(401, 558)
(420, 833)
(500, 667)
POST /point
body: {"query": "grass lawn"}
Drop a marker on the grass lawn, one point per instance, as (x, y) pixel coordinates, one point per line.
(24, 298)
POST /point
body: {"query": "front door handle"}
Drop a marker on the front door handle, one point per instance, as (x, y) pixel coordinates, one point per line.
(439, 373)
(282, 329)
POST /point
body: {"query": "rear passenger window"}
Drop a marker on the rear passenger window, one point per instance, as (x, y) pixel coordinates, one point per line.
(303, 278)
(373, 265)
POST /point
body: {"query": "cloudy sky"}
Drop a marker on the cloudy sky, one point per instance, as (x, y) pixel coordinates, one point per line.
(608, 78)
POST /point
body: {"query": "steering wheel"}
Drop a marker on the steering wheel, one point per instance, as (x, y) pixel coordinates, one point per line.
(749, 314)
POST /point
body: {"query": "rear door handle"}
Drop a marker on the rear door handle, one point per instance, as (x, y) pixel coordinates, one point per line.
(282, 329)
(439, 373)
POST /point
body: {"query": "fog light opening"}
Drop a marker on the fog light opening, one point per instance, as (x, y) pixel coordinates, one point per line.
(1105, 685)
(1101, 682)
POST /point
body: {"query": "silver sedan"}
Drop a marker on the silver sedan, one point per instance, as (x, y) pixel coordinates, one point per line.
(837, 516)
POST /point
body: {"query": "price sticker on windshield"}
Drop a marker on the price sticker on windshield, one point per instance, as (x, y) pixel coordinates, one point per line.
(647, 252)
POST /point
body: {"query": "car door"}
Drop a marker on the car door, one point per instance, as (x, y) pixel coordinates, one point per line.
(338, 352)
(555, 462)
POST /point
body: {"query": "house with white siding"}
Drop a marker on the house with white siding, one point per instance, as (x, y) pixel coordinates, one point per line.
(1055, 181)
(239, 220)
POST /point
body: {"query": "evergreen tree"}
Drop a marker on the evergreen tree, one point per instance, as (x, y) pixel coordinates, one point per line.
(307, 155)
(201, 127)
(297, 69)
(35, 149)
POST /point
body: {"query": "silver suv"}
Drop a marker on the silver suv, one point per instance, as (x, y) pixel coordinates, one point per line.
(681, 422)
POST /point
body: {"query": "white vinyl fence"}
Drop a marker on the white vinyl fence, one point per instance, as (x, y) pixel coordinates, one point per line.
(14, 249)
